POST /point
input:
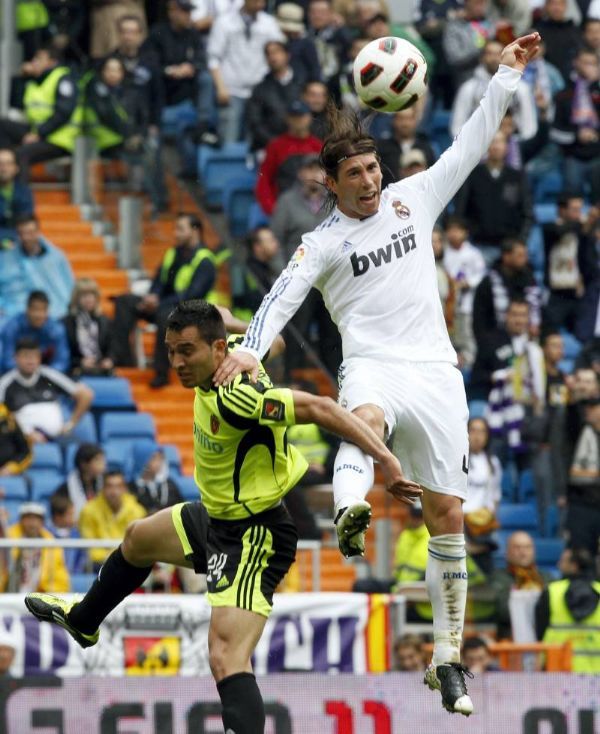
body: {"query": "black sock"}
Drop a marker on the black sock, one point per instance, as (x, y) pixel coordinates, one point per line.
(243, 708)
(116, 580)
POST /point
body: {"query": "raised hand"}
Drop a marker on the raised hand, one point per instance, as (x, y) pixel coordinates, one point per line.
(521, 51)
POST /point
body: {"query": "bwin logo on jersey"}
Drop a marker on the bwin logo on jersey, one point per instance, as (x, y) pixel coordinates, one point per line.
(397, 248)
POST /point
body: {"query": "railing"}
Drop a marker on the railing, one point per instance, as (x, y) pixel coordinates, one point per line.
(314, 546)
(557, 657)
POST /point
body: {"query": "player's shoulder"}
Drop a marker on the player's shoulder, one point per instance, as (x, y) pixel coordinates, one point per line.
(234, 341)
(243, 396)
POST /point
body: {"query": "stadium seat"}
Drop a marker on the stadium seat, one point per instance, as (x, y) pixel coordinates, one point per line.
(567, 366)
(545, 212)
(128, 426)
(118, 455)
(440, 128)
(43, 485)
(238, 197)
(507, 485)
(15, 488)
(219, 166)
(477, 408)
(547, 553)
(81, 582)
(548, 187)
(47, 456)
(85, 431)
(12, 510)
(188, 488)
(551, 522)
(110, 393)
(526, 488)
(256, 217)
(173, 457)
(517, 517)
(572, 346)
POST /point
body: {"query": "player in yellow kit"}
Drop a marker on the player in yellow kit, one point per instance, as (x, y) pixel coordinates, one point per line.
(240, 533)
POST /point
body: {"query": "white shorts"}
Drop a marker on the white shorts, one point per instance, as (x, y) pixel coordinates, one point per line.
(426, 414)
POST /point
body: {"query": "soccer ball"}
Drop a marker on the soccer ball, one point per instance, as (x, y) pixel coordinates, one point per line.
(390, 74)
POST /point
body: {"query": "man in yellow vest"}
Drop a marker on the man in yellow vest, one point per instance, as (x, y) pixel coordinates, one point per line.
(569, 610)
(187, 272)
(49, 100)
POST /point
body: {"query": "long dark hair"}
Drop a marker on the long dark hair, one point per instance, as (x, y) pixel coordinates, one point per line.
(347, 136)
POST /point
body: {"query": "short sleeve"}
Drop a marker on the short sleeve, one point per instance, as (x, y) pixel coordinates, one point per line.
(257, 403)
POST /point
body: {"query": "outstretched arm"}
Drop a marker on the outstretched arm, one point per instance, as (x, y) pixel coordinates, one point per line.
(326, 413)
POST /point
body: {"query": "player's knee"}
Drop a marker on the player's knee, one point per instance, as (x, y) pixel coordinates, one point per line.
(132, 546)
(444, 515)
(373, 417)
(218, 657)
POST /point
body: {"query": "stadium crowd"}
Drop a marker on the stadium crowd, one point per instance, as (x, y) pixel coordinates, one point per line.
(517, 254)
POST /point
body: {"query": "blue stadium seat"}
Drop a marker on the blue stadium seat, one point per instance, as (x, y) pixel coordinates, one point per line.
(188, 488)
(43, 485)
(551, 522)
(440, 128)
(238, 197)
(507, 486)
(517, 517)
(545, 212)
(12, 510)
(110, 393)
(547, 553)
(567, 366)
(477, 408)
(548, 186)
(47, 456)
(572, 346)
(219, 166)
(256, 217)
(81, 582)
(535, 249)
(119, 455)
(15, 488)
(85, 431)
(128, 426)
(173, 457)
(526, 489)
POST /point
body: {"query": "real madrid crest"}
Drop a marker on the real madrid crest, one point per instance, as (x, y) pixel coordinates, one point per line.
(402, 211)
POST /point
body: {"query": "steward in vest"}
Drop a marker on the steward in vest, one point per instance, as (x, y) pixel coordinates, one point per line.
(569, 610)
(49, 100)
(187, 272)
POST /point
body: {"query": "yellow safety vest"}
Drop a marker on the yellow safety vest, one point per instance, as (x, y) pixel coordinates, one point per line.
(30, 15)
(309, 442)
(185, 274)
(584, 635)
(39, 102)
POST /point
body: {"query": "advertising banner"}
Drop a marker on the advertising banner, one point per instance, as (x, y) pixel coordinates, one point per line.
(392, 703)
(167, 635)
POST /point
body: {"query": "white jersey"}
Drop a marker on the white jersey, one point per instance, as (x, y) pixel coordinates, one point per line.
(377, 275)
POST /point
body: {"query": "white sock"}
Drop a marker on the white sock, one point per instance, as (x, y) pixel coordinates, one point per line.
(353, 476)
(446, 579)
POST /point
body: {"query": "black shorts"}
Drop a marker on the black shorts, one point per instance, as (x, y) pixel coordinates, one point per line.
(244, 560)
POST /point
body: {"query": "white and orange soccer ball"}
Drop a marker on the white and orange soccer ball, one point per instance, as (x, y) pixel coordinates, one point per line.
(390, 74)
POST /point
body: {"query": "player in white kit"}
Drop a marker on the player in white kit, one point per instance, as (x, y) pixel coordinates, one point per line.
(373, 262)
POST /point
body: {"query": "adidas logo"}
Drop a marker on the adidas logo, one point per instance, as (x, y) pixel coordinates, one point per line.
(222, 582)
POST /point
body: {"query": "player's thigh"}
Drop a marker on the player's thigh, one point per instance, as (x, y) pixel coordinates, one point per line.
(431, 440)
(153, 539)
(363, 387)
(233, 634)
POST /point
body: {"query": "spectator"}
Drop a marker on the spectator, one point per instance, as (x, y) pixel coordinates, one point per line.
(252, 279)
(331, 39)
(32, 392)
(463, 37)
(445, 283)
(562, 37)
(65, 28)
(583, 491)
(484, 495)
(301, 208)
(476, 656)
(63, 524)
(315, 96)
(589, 266)
(49, 100)
(237, 61)
(15, 450)
(471, 91)
(464, 263)
(568, 610)
(303, 52)
(187, 271)
(104, 23)
(266, 111)
(188, 87)
(341, 85)
(284, 154)
(404, 138)
(591, 34)
(495, 200)
(35, 324)
(583, 386)
(34, 569)
(564, 240)
(152, 486)
(577, 125)
(88, 331)
(521, 572)
(108, 515)
(85, 480)
(510, 277)
(34, 263)
(409, 656)
(15, 197)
